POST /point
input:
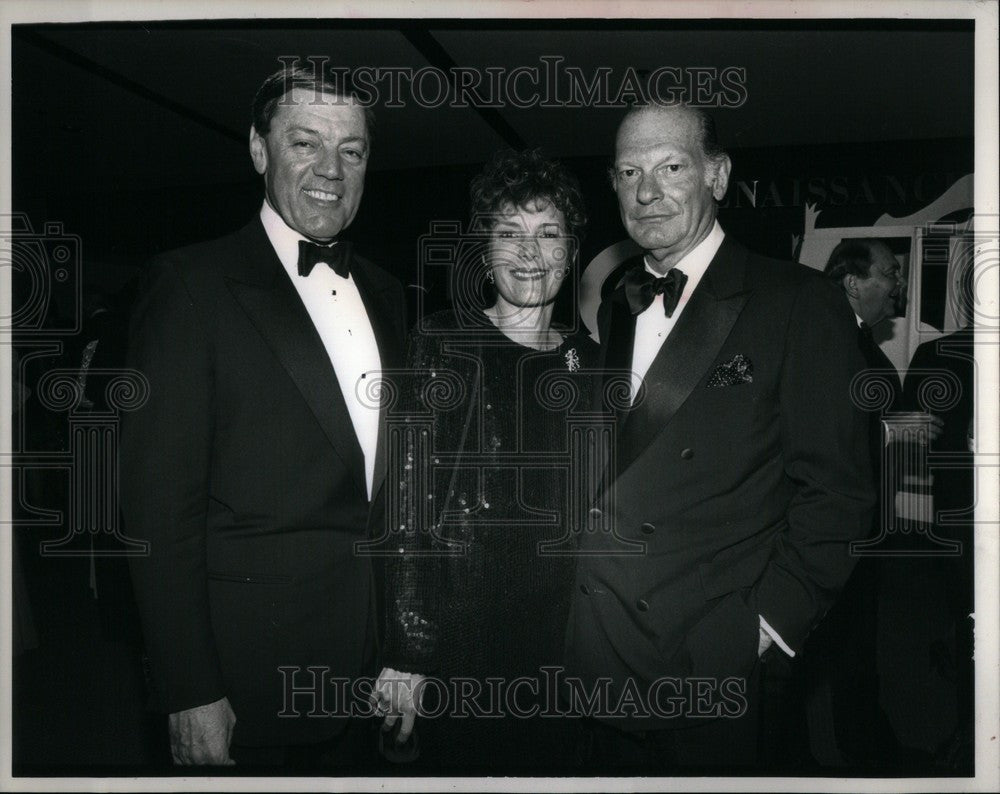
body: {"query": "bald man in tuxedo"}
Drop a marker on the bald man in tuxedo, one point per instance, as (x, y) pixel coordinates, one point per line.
(722, 527)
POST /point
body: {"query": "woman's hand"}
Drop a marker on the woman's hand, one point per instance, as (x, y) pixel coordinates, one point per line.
(398, 695)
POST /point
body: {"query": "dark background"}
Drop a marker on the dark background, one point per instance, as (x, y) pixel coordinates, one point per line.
(133, 137)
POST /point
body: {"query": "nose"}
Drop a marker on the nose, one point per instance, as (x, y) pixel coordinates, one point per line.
(528, 249)
(329, 165)
(648, 190)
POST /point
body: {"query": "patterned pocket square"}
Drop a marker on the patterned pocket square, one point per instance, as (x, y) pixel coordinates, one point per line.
(732, 373)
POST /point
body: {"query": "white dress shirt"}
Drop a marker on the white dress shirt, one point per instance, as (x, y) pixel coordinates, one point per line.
(338, 313)
(652, 327)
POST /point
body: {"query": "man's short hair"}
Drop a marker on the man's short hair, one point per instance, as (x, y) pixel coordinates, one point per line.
(853, 258)
(515, 179)
(318, 81)
(710, 145)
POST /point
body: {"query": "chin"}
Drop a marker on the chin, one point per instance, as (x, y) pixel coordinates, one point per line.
(322, 225)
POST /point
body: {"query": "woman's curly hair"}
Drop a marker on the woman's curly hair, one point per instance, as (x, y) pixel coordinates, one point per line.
(516, 179)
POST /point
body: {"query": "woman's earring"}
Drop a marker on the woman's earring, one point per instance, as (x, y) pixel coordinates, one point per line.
(489, 277)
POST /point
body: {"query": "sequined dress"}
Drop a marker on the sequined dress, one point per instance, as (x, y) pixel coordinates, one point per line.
(486, 463)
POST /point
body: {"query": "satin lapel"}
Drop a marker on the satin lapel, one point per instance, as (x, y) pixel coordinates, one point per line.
(267, 296)
(615, 362)
(381, 313)
(616, 328)
(689, 351)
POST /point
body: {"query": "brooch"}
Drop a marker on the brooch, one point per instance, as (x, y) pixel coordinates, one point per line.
(572, 360)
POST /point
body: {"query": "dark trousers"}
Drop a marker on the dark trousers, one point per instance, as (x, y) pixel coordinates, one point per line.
(352, 752)
(846, 723)
(716, 745)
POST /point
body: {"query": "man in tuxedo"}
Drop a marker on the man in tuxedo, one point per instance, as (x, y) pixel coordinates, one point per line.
(740, 477)
(253, 469)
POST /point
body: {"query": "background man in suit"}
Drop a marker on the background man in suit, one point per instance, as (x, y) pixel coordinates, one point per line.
(846, 722)
(741, 463)
(873, 284)
(953, 489)
(252, 469)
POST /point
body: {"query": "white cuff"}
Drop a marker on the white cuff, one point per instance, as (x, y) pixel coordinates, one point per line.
(775, 636)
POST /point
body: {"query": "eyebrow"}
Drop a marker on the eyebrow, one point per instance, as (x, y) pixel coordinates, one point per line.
(297, 129)
(310, 131)
(665, 160)
(548, 226)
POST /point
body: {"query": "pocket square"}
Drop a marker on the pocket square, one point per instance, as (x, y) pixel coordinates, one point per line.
(738, 370)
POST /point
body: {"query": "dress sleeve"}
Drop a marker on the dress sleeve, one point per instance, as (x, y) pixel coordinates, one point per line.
(414, 572)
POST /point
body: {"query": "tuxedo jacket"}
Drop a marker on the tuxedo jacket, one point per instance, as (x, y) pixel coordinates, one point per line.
(243, 471)
(740, 476)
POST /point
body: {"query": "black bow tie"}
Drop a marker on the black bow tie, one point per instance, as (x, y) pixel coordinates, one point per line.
(338, 257)
(641, 287)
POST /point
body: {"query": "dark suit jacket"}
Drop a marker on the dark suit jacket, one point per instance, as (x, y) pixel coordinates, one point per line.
(882, 379)
(941, 379)
(731, 501)
(243, 471)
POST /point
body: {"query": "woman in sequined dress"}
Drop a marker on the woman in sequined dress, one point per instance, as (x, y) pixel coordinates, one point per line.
(479, 589)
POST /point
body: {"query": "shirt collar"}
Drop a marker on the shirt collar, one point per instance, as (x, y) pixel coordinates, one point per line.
(283, 237)
(697, 260)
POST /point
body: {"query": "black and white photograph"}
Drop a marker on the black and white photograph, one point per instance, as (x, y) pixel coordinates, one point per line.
(430, 395)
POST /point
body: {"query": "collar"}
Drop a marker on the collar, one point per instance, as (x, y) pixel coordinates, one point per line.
(697, 260)
(858, 320)
(283, 237)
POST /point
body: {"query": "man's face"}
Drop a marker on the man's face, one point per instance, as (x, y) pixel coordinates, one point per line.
(313, 160)
(879, 293)
(666, 187)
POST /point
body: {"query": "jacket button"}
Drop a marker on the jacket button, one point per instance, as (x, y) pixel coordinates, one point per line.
(584, 589)
(595, 513)
(648, 529)
(642, 605)
(687, 453)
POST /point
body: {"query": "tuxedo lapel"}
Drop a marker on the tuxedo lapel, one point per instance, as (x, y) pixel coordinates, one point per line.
(616, 331)
(262, 288)
(615, 380)
(689, 351)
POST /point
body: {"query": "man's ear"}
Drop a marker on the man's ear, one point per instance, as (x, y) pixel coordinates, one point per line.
(850, 284)
(720, 180)
(258, 151)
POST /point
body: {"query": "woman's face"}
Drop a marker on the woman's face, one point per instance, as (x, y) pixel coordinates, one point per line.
(530, 251)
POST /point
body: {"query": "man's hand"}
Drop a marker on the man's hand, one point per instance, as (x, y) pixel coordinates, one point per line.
(202, 735)
(398, 695)
(913, 426)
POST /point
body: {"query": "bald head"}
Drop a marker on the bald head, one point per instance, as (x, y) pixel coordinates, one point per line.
(703, 121)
